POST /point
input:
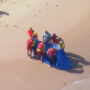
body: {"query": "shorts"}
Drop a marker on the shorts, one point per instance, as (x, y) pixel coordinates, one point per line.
(40, 53)
(29, 48)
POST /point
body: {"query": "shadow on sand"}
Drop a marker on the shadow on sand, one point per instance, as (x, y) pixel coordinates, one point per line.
(3, 13)
(77, 63)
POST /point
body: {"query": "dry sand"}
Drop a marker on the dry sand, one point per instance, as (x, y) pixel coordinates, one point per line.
(69, 19)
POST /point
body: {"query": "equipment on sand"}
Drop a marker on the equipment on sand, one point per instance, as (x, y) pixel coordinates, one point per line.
(62, 61)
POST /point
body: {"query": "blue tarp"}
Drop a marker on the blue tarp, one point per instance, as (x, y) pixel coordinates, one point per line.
(62, 61)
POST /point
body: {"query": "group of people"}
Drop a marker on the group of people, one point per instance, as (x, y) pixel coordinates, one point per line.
(37, 49)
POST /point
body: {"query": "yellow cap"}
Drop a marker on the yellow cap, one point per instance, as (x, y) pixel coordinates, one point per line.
(29, 28)
(34, 33)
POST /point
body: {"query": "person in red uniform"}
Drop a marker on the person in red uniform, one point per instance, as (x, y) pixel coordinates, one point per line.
(40, 50)
(30, 31)
(52, 56)
(29, 46)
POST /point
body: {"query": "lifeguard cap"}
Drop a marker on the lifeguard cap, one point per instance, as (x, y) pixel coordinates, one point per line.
(29, 28)
(34, 33)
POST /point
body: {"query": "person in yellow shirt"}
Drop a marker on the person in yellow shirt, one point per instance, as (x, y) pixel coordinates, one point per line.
(61, 43)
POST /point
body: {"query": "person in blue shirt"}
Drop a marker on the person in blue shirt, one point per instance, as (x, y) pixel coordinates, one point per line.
(35, 44)
(46, 36)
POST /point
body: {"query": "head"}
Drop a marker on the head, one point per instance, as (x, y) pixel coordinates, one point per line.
(59, 39)
(54, 35)
(30, 28)
(46, 31)
(34, 33)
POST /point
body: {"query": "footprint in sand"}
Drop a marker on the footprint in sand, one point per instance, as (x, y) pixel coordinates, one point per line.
(35, 15)
(57, 5)
(39, 11)
(64, 83)
(13, 2)
(15, 26)
(28, 5)
(6, 25)
(47, 4)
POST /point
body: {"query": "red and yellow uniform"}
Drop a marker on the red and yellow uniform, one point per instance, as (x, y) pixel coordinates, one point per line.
(40, 49)
(30, 31)
(51, 52)
(35, 35)
(30, 43)
(51, 56)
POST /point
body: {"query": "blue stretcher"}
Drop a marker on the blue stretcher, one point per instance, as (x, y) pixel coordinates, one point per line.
(62, 61)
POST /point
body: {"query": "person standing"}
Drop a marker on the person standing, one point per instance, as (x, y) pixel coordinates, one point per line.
(61, 43)
(30, 31)
(52, 56)
(54, 39)
(29, 46)
(35, 44)
(40, 50)
(35, 35)
(46, 36)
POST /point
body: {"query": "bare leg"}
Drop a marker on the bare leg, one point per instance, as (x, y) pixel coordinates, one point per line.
(31, 53)
(28, 53)
(42, 59)
(37, 56)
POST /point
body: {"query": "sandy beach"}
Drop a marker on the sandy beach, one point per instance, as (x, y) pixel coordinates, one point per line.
(68, 19)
